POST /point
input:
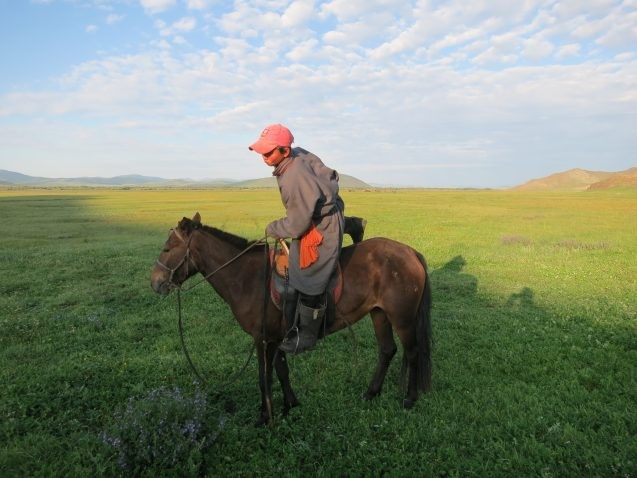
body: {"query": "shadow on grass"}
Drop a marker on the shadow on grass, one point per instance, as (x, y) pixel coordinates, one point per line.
(451, 281)
(518, 389)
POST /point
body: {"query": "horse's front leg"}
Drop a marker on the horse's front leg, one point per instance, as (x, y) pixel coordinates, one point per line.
(283, 374)
(266, 355)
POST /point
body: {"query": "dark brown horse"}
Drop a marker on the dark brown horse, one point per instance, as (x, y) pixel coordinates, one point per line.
(382, 277)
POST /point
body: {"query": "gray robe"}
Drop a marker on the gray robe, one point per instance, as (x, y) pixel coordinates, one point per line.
(309, 192)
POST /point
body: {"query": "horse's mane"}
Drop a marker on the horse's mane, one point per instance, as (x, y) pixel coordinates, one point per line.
(237, 241)
(232, 239)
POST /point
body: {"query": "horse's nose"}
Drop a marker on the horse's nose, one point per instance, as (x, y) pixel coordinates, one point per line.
(158, 281)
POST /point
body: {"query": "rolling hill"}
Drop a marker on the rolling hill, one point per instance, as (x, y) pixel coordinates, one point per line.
(581, 180)
(623, 179)
(11, 178)
(345, 181)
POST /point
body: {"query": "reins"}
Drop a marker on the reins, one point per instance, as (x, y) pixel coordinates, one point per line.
(189, 360)
(187, 260)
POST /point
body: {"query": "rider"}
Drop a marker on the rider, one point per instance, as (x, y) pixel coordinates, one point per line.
(314, 221)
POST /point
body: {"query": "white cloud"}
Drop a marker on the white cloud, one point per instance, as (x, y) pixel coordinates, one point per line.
(565, 51)
(565, 9)
(302, 50)
(537, 49)
(436, 85)
(199, 4)
(406, 40)
(363, 32)
(622, 34)
(297, 13)
(624, 57)
(455, 39)
(91, 28)
(114, 18)
(345, 10)
(157, 6)
(183, 25)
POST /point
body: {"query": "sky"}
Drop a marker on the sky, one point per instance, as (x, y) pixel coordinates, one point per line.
(480, 93)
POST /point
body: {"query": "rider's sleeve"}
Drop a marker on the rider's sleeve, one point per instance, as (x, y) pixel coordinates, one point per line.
(300, 194)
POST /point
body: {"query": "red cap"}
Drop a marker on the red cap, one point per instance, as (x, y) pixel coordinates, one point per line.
(271, 137)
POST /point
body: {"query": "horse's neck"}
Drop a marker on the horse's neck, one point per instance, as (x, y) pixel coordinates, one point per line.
(212, 254)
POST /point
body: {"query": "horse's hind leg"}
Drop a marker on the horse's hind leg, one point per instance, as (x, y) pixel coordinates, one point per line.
(410, 364)
(386, 351)
(283, 374)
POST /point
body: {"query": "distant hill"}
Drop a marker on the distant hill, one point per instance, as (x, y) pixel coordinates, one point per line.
(11, 178)
(581, 180)
(345, 182)
(622, 179)
(19, 179)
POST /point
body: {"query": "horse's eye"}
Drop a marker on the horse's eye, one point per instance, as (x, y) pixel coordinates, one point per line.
(166, 249)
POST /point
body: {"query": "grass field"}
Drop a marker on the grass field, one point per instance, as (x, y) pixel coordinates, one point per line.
(534, 320)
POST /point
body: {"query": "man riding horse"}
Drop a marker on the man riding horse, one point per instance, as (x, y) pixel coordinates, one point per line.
(314, 222)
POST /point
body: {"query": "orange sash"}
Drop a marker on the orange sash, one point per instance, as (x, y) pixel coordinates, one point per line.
(309, 247)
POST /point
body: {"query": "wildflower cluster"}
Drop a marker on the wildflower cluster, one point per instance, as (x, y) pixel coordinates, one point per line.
(163, 430)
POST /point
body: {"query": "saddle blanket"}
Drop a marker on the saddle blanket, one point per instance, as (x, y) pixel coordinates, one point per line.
(278, 287)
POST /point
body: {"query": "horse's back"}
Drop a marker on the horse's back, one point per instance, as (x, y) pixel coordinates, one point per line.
(385, 273)
(382, 252)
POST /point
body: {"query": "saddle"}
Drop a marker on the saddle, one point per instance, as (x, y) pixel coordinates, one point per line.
(278, 289)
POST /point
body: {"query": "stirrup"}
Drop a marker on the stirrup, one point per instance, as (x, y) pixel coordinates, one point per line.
(290, 343)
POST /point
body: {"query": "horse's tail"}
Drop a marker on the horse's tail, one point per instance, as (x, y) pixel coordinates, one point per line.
(423, 332)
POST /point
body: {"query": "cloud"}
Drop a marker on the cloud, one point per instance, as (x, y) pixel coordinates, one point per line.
(183, 25)
(536, 48)
(157, 6)
(433, 86)
(622, 32)
(91, 28)
(297, 13)
(347, 10)
(302, 51)
(566, 51)
(114, 18)
(199, 4)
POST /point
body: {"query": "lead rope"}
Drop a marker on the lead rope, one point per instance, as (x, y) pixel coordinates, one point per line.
(181, 326)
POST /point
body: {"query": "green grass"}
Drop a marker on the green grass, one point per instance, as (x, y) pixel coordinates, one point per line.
(534, 320)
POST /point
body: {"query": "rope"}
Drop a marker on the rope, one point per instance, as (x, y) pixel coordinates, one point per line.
(263, 240)
(180, 317)
(233, 379)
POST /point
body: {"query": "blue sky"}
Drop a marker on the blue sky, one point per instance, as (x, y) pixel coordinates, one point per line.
(394, 92)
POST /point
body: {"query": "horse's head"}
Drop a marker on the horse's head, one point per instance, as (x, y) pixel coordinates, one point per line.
(174, 265)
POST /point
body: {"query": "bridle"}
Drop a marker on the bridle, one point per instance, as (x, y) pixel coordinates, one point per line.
(187, 259)
(184, 260)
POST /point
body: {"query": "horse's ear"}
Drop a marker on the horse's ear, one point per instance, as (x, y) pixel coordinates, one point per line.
(196, 218)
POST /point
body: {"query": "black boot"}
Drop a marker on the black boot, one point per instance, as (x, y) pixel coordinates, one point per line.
(308, 318)
(355, 227)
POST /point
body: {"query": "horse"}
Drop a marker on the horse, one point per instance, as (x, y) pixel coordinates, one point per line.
(382, 277)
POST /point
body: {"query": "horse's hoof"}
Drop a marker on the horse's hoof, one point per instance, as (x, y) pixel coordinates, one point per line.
(262, 421)
(369, 395)
(290, 406)
(408, 403)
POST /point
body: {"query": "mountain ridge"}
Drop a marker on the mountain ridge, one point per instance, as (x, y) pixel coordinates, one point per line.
(12, 178)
